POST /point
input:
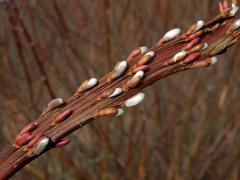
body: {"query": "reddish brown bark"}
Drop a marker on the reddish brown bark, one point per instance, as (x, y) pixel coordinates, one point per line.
(217, 33)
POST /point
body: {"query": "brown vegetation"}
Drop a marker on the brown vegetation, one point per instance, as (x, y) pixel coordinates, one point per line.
(187, 127)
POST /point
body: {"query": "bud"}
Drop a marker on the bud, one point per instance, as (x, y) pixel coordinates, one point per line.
(118, 71)
(191, 44)
(135, 100)
(63, 116)
(62, 143)
(116, 92)
(86, 85)
(134, 81)
(195, 27)
(110, 93)
(191, 58)
(213, 60)
(41, 145)
(220, 7)
(120, 112)
(170, 35)
(108, 112)
(146, 58)
(206, 62)
(33, 141)
(199, 47)
(200, 24)
(55, 103)
(201, 64)
(29, 128)
(120, 68)
(137, 52)
(234, 10)
(91, 83)
(143, 49)
(139, 68)
(23, 139)
(180, 56)
(196, 34)
(234, 3)
(236, 25)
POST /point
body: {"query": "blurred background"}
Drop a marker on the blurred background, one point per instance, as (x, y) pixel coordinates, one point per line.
(187, 127)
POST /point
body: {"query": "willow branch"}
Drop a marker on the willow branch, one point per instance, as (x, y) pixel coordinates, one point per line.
(15, 15)
(175, 52)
